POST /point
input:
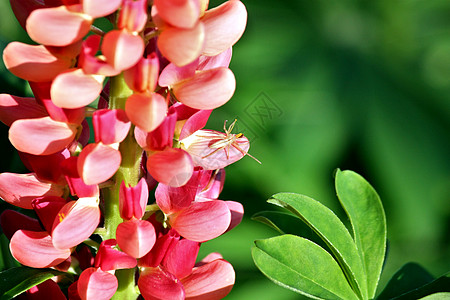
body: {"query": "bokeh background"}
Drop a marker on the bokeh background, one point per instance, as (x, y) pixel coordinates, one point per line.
(360, 85)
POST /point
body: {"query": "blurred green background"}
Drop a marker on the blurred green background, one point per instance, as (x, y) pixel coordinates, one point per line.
(360, 85)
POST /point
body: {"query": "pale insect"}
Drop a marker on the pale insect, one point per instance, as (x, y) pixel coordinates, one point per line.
(225, 141)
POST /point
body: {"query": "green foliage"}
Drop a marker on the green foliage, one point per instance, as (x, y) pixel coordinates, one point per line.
(17, 280)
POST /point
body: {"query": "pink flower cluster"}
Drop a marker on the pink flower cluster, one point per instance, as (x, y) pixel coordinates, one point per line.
(150, 84)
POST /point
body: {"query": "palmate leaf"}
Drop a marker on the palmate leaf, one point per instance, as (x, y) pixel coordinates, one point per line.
(366, 214)
(332, 231)
(302, 266)
(17, 280)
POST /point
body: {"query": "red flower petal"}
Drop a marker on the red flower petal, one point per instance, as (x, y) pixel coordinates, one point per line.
(162, 245)
(47, 209)
(211, 62)
(76, 184)
(11, 221)
(75, 89)
(97, 163)
(136, 237)
(157, 284)
(122, 49)
(34, 62)
(110, 126)
(108, 258)
(76, 221)
(41, 136)
(211, 281)
(144, 75)
(195, 122)
(100, 8)
(146, 110)
(182, 46)
(57, 26)
(133, 15)
(181, 258)
(160, 138)
(22, 9)
(21, 189)
(13, 108)
(183, 14)
(206, 89)
(172, 167)
(35, 249)
(224, 26)
(95, 284)
(133, 200)
(237, 212)
(172, 74)
(41, 291)
(202, 221)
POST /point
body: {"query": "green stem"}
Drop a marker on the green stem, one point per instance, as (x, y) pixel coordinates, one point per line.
(129, 172)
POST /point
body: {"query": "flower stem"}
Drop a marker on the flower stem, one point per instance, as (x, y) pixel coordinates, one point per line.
(129, 173)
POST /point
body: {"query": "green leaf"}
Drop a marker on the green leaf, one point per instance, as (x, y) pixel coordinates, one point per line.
(366, 214)
(17, 280)
(332, 231)
(302, 266)
(409, 277)
(437, 296)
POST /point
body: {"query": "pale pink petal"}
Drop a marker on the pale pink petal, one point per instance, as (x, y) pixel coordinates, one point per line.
(144, 75)
(133, 200)
(122, 49)
(35, 249)
(97, 163)
(74, 88)
(95, 284)
(133, 15)
(34, 62)
(21, 189)
(76, 221)
(182, 46)
(212, 150)
(100, 8)
(146, 110)
(41, 136)
(110, 125)
(206, 89)
(92, 64)
(158, 284)
(172, 74)
(76, 184)
(57, 26)
(41, 91)
(11, 221)
(195, 122)
(179, 13)
(136, 237)
(214, 186)
(237, 212)
(211, 62)
(13, 108)
(209, 258)
(108, 258)
(224, 26)
(211, 281)
(172, 167)
(181, 258)
(202, 221)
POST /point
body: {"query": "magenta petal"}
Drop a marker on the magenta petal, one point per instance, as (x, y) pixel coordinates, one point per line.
(75, 89)
(21, 189)
(122, 49)
(57, 26)
(35, 249)
(42, 290)
(172, 167)
(41, 136)
(76, 184)
(157, 284)
(133, 200)
(202, 221)
(100, 8)
(162, 245)
(14, 108)
(162, 137)
(95, 284)
(224, 25)
(237, 212)
(136, 237)
(110, 125)
(195, 122)
(207, 89)
(46, 167)
(108, 258)
(211, 281)
(47, 209)
(76, 221)
(181, 258)
(97, 163)
(34, 62)
(211, 62)
(214, 186)
(11, 221)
